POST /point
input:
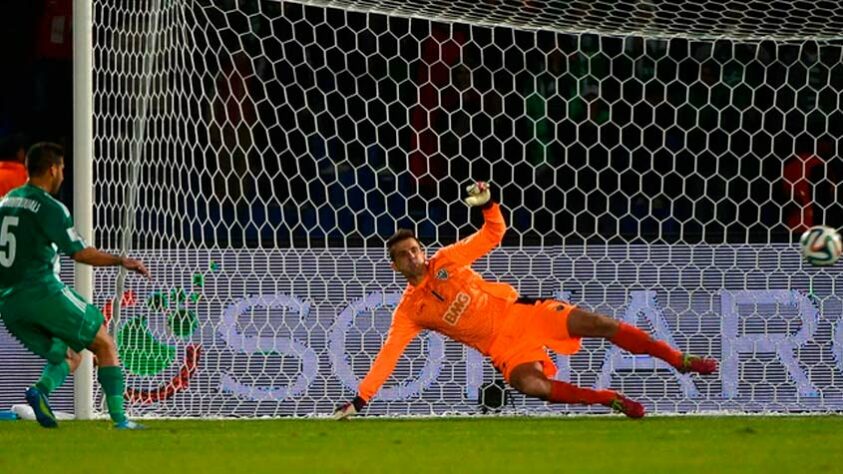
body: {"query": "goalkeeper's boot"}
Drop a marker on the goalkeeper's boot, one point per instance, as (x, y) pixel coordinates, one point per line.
(41, 406)
(627, 406)
(346, 410)
(700, 365)
(128, 425)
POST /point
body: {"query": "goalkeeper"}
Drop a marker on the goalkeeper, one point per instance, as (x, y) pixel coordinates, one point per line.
(50, 319)
(445, 295)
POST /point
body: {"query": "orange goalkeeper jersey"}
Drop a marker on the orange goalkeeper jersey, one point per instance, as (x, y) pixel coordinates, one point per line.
(452, 300)
(12, 175)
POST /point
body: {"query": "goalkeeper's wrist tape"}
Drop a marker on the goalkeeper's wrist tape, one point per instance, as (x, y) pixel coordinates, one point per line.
(358, 403)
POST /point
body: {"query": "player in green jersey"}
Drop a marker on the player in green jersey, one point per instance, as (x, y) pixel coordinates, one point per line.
(44, 314)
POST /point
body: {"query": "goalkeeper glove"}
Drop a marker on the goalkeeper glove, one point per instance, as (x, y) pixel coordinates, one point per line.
(478, 194)
(349, 409)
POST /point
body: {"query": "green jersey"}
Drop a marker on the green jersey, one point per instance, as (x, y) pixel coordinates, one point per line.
(34, 226)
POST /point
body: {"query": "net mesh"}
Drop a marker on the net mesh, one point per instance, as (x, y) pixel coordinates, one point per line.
(733, 19)
(654, 161)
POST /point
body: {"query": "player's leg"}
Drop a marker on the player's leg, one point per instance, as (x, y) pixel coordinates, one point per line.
(529, 379)
(52, 377)
(519, 353)
(583, 323)
(80, 325)
(67, 323)
(110, 377)
(38, 341)
(54, 374)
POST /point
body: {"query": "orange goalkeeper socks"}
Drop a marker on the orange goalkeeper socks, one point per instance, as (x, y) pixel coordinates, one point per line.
(563, 392)
(639, 342)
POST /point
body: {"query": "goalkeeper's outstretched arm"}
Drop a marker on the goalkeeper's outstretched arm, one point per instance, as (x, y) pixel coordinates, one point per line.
(401, 332)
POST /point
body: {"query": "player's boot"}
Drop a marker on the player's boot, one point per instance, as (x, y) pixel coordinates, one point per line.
(627, 406)
(41, 406)
(700, 365)
(128, 425)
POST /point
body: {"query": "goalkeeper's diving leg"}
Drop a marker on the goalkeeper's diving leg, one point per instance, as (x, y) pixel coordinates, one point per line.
(530, 379)
(583, 323)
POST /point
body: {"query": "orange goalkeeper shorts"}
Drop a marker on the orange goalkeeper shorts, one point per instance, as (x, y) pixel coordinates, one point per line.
(528, 331)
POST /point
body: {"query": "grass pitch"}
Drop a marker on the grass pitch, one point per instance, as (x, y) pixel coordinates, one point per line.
(534, 445)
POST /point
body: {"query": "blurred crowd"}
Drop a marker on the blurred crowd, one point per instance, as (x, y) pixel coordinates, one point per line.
(319, 125)
(36, 95)
(589, 138)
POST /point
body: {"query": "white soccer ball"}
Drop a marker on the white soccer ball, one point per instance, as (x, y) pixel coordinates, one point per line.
(821, 245)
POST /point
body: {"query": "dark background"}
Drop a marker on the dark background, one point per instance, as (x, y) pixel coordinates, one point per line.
(306, 126)
(36, 85)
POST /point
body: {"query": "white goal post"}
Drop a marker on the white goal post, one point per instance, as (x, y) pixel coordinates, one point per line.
(83, 179)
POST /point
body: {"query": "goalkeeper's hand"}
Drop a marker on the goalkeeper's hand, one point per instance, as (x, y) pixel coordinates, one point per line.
(349, 409)
(478, 194)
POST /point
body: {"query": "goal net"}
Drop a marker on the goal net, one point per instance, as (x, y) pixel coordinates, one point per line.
(656, 161)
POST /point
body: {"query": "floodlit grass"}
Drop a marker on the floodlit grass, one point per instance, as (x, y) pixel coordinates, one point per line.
(514, 444)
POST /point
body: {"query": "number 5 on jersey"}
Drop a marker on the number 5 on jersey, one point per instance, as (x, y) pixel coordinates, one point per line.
(7, 240)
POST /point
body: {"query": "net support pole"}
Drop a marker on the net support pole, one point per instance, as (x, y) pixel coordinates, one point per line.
(136, 153)
(83, 183)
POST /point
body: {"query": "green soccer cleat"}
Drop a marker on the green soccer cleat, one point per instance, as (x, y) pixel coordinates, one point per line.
(628, 407)
(700, 365)
(41, 406)
(128, 425)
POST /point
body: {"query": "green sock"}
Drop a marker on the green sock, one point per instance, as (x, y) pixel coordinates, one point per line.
(52, 377)
(111, 379)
